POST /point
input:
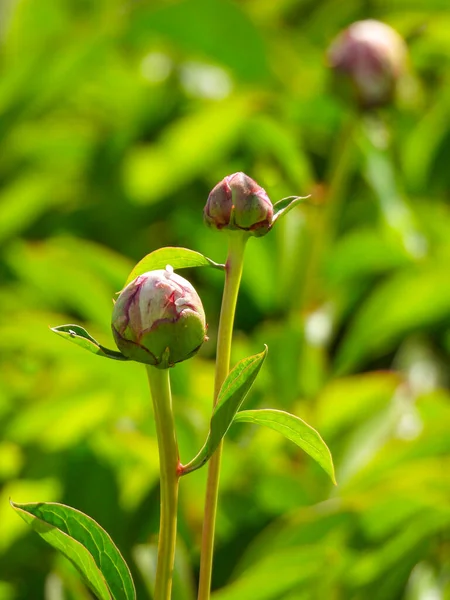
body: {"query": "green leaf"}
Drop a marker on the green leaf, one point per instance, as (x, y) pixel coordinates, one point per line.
(294, 429)
(277, 574)
(168, 22)
(412, 300)
(178, 258)
(79, 336)
(421, 146)
(282, 207)
(85, 544)
(231, 396)
(344, 403)
(146, 559)
(188, 149)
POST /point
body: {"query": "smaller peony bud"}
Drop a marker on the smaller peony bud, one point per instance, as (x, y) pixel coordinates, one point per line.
(238, 202)
(372, 56)
(158, 319)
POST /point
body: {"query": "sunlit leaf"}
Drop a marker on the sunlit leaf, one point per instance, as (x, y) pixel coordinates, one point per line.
(362, 253)
(79, 336)
(294, 429)
(232, 394)
(58, 269)
(421, 146)
(189, 147)
(413, 300)
(13, 529)
(25, 200)
(275, 575)
(343, 403)
(178, 258)
(85, 544)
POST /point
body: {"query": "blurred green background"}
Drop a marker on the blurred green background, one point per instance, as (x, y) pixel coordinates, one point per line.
(116, 119)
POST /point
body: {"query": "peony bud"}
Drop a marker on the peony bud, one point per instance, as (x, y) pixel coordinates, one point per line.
(238, 202)
(158, 319)
(372, 56)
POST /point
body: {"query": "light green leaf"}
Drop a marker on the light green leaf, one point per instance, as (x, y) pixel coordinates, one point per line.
(85, 544)
(421, 146)
(415, 299)
(24, 200)
(79, 336)
(282, 207)
(146, 558)
(231, 396)
(344, 403)
(189, 148)
(178, 258)
(364, 252)
(276, 575)
(294, 429)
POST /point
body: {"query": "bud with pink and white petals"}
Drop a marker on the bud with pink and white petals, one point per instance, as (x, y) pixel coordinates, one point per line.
(158, 319)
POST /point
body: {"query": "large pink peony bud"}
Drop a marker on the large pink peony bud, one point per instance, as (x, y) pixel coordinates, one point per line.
(158, 319)
(238, 202)
(372, 56)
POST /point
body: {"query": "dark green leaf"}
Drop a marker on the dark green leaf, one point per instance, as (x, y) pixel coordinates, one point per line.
(85, 544)
(296, 430)
(79, 336)
(282, 207)
(231, 396)
(178, 258)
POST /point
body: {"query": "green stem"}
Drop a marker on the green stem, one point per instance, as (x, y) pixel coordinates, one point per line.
(169, 477)
(234, 265)
(323, 224)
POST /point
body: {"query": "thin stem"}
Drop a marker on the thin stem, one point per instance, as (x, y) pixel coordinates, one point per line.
(323, 224)
(169, 477)
(234, 265)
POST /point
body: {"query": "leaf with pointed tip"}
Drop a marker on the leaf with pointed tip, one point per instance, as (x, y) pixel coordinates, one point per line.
(231, 396)
(79, 336)
(294, 429)
(178, 258)
(282, 207)
(85, 544)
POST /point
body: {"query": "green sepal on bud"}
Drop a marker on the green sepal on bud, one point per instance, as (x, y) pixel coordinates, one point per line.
(158, 319)
(83, 339)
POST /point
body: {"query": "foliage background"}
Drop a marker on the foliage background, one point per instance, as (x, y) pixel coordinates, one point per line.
(116, 119)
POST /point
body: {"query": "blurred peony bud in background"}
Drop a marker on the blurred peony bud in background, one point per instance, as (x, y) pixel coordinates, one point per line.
(238, 202)
(372, 57)
(158, 319)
